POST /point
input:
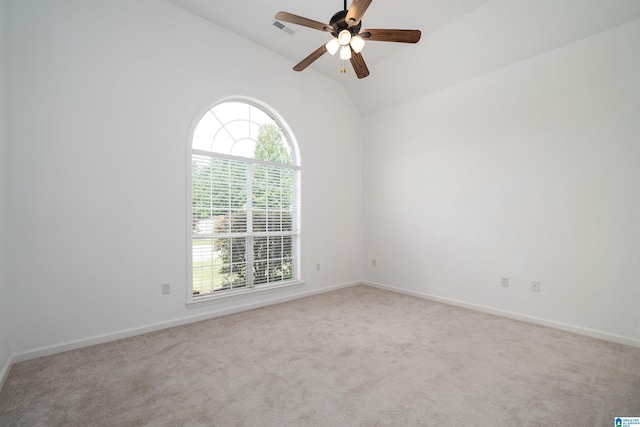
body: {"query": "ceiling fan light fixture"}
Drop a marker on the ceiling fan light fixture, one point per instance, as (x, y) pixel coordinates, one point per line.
(345, 52)
(345, 26)
(344, 37)
(333, 45)
(357, 43)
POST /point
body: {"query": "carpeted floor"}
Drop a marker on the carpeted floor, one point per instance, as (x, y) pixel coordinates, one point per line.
(359, 356)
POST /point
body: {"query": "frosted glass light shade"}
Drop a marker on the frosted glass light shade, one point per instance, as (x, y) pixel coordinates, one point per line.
(344, 37)
(332, 46)
(357, 43)
(345, 52)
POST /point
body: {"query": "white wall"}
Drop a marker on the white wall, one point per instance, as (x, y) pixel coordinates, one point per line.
(5, 292)
(105, 94)
(530, 172)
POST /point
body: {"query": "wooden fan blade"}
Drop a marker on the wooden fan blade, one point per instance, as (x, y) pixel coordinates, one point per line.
(309, 59)
(400, 36)
(305, 22)
(357, 9)
(357, 61)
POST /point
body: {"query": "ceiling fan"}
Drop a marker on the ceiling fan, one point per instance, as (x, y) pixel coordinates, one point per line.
(348, 39)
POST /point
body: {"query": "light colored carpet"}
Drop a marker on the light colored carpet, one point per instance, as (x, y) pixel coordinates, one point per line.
(358, 356)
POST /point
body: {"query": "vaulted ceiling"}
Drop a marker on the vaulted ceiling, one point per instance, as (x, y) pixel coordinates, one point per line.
(461, 39)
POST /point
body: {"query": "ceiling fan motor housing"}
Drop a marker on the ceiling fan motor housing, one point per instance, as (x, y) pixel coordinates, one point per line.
(338, 24)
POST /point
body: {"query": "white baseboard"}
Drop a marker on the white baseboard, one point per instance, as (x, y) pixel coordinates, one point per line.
(126, 333)
(4, 373)
(593, 333)
(99, 339)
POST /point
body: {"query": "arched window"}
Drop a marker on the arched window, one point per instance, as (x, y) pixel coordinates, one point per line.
(245, 209)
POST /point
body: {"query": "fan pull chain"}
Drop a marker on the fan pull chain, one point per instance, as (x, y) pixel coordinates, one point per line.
(343, 67)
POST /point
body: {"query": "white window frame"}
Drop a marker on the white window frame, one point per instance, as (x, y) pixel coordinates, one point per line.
(251, 289)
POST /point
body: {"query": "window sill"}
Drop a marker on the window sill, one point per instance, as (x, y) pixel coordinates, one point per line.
(239, 294)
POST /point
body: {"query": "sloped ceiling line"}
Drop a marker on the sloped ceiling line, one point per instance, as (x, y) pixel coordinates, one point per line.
(461, 39)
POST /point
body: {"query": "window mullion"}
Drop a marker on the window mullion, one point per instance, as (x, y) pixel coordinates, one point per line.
(249, 239)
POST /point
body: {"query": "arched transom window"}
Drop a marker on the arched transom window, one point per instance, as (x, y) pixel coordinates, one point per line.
(245, 209)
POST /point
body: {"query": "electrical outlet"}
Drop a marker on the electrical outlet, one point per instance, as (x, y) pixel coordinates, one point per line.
(166, 288)
(318, 267)
(504, 282)
(373, 262)
(535, 286)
